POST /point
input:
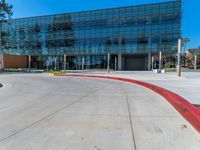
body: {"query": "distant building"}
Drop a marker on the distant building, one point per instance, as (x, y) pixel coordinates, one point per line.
(190, 57)
(131, 35)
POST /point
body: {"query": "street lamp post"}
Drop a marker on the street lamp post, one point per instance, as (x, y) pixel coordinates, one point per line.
(83, 62)
(181, 41)
(195, 62)
(108, 63)
(179, 57)
(160, 61)
(65, 62)
(55, 62)
(115, 63)
(29, 63)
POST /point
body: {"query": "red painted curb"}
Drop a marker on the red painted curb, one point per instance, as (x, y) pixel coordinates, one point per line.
(186, 109)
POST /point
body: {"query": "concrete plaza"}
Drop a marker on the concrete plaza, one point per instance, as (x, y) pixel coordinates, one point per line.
(188, 85)
(59, 113)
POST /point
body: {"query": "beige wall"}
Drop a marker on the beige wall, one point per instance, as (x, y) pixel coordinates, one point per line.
(13, 61)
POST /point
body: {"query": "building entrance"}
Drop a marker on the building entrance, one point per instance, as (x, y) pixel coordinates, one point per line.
(135, 62)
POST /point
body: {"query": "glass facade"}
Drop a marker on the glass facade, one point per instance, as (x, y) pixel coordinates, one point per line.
(126, 30)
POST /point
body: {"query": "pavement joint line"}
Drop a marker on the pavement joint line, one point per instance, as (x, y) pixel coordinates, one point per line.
(130, 119)
(42, 119)
(100, 115)
(124, 116)
(49, 115)
(165, 116)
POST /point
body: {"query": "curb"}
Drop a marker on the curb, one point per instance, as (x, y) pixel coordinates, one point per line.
(186, 109)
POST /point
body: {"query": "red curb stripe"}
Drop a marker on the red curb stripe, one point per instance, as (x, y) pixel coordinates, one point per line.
(186, 109)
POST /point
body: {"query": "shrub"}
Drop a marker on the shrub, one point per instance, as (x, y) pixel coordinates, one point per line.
(13, 70)
(170, 69)
(55, 72)
(168, 65)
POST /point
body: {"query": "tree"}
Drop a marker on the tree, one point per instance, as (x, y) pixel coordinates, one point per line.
(5, 15)
(190, 57)
(197, 53)
(184, 43)
(5, 11)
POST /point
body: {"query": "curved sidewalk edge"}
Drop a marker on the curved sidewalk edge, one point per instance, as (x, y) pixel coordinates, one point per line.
(186, 109)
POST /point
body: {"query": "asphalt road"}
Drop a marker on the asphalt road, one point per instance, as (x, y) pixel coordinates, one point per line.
(41, 112)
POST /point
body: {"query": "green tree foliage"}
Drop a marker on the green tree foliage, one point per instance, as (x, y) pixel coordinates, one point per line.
(196, 52)
(5, 11)
(5, 15)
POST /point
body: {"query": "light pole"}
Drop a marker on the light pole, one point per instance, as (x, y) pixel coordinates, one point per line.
(55, 62)
(180, 42)
(83, 62)
(65, 62)
(160, 61)
(195, 62)
(29, 63)
(179, 57)
(108, 63)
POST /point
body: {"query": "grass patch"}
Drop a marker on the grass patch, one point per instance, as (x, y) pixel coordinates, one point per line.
(170, 69)
(55, 72)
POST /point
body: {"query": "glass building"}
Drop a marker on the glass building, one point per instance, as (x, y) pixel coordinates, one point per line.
(131, 35)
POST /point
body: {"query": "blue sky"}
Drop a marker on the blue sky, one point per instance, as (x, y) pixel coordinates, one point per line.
(27, 8)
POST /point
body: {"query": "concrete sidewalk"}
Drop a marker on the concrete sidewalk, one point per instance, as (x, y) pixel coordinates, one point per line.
(188, 86)
(58, 113)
